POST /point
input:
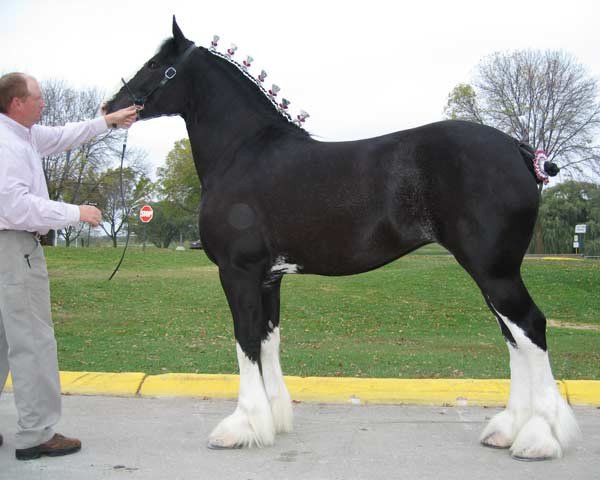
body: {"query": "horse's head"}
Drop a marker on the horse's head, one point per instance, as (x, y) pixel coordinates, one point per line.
(158, 85)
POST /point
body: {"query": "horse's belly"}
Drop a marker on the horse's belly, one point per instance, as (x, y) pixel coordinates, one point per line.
(346, 251)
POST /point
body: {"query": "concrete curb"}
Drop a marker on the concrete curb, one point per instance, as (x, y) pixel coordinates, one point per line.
(451, 392)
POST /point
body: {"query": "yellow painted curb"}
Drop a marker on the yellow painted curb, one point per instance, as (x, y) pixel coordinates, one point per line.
(452, 392)
(97, 383)
(583, 392)
(399, 391)
(92, 383)
(191, 385)
(568, 259)
(455, 392)
(343, 390)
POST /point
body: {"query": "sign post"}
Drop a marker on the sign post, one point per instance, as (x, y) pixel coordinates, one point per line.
(146, 214)
(580, 231)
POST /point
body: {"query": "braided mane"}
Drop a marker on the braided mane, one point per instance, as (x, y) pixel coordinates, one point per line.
(244, 71)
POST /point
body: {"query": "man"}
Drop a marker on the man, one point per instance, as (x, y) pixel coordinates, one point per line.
(27, 343)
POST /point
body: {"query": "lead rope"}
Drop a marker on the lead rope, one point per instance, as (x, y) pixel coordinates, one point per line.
(124, 208)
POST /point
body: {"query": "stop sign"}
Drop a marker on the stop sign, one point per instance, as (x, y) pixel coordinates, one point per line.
(146, 213)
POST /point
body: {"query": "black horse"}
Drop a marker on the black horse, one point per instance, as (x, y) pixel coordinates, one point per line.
(276, 201)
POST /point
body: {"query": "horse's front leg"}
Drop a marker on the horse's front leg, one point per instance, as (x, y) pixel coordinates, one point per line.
(277, 392)
(251, 424)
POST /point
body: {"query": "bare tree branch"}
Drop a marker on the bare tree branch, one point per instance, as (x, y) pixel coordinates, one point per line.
(75, 176)
(543, 97)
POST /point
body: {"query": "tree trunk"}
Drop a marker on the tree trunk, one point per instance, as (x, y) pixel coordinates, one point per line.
(538, 230)
(538, 238)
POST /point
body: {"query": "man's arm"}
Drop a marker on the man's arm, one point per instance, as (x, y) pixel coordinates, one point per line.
(21, 210)
(52, 140)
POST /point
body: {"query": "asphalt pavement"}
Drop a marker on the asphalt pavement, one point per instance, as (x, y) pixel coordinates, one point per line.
(165, 438)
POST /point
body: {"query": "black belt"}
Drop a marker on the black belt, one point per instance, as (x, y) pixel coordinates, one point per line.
(37, 235)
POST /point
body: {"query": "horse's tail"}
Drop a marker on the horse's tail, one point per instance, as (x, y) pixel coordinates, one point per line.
(533, 160)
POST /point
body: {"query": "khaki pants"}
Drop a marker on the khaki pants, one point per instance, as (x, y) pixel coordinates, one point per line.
(27, 343)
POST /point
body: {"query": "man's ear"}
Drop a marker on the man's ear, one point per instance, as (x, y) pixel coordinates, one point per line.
(15, 104)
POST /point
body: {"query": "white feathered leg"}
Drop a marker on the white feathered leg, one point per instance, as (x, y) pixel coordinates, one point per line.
(252, 422)
(551, 427)
(277, 392)
(502, 429)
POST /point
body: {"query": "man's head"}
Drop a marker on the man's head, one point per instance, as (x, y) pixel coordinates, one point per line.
(21, 98)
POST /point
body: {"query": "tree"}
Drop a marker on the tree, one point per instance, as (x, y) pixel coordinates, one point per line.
(545, 98)
(566, 205)
(178, 180)
(179, 187)
(165, 226)
(118, 206)
(73, 176)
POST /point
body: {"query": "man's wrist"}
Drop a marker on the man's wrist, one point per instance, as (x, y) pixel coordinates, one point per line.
(110, 122)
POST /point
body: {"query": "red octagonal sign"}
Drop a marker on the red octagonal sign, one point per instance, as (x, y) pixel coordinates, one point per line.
(146, 213)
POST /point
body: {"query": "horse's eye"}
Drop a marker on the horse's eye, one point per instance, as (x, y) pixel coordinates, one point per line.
(152, 65)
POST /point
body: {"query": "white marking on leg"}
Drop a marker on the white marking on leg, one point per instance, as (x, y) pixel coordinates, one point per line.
(252, 422)
(277, 392)
(281, 266)
(552, 426)
(502, 429)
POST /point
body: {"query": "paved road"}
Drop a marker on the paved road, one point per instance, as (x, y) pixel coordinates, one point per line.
(145, 438)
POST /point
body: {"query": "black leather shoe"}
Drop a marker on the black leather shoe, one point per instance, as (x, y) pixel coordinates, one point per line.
(57, 446)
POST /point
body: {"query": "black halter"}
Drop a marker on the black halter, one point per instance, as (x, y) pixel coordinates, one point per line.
(170, 73)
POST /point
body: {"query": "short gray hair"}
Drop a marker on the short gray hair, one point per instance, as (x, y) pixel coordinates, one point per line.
(12, 85)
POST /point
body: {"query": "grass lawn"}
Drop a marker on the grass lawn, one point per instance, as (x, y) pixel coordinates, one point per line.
(419, 317)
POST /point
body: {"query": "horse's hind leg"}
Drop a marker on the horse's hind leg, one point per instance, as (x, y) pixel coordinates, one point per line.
(538, 423)
(252, 421)
(277, 393)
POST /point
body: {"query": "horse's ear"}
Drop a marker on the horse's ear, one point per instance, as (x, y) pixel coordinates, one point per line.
(177, 33)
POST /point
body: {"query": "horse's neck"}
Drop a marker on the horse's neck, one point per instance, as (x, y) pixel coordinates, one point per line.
(227, 114)
(217, 141)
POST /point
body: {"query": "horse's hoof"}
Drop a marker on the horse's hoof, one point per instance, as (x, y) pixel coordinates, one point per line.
(220, 444)
(497, 441)
(531, 459)
(535, 442)
(495, 447)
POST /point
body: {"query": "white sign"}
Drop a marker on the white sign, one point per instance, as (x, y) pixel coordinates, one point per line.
(575, 244)
(575, 238)
(581, 228)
